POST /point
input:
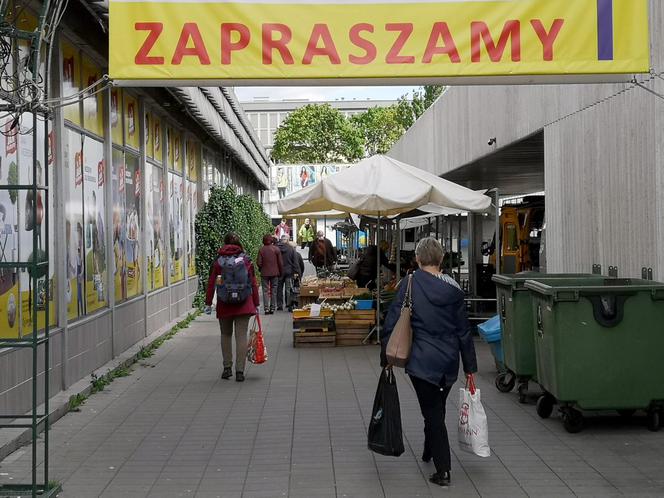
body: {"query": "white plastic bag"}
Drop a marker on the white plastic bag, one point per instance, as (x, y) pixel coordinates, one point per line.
(473, 427)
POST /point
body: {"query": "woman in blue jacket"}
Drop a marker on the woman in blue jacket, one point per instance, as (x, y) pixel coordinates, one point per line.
(441, 333)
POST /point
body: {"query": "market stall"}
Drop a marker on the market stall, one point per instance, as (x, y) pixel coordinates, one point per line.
(382, 186)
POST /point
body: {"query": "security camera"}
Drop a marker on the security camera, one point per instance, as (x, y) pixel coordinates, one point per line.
(492, 141)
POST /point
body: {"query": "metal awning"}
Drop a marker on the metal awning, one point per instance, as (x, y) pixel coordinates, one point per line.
(515, 169)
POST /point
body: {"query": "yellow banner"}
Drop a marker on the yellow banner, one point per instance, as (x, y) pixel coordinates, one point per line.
(269, 40)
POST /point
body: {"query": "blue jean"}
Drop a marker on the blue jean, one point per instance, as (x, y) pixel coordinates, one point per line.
(269, 285)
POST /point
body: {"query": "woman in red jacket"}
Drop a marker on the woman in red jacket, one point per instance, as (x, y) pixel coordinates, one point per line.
(232, 276)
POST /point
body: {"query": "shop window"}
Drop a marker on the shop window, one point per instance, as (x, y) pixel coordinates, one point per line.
(94, 209)
(92, 104)
(156, 254)
(71, 80)
(119, 226)
(157, 139)
(192, 206)
(176, 227)
(131, 121)
(193, 159)
(117, 121)
(133, 249)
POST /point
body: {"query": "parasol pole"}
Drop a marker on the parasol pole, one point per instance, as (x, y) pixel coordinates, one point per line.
(378, 254)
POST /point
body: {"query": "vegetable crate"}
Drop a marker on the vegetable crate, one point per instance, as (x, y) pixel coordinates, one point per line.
(353, 326)
(313, 333)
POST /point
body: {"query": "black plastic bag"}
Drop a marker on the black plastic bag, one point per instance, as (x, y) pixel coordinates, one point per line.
(385, 435)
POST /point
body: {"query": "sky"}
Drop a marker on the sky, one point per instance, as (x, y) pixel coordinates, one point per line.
(248, 94)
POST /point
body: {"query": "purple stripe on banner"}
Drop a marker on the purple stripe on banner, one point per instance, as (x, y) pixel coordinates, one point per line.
(605, 30)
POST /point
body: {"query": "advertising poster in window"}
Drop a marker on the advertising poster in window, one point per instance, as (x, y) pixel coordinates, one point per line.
(192, 207)
(9, 277)
(116, 116)
(156, 139)
(131, 125)
(174, 150)
(94, 209)
(74, 226)
(119, 226)
(155, 199)
(133, 247)
(149, 137)
(303, 176)
(32, 223)
(175, 227)
(92, 105)
(71, 80)
(193, 159)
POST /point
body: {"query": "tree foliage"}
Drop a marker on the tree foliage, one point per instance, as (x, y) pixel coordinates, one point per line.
(410, 109)
(380, 128)
(317, 133)
(224, 212)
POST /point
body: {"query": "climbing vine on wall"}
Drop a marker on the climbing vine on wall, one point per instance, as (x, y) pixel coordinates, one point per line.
(224, 212)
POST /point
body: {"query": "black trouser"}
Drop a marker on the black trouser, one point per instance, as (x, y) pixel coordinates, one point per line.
(432, 400)
(284, 291)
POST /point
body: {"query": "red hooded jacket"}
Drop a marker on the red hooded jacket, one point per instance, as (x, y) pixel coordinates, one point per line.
(230, 310)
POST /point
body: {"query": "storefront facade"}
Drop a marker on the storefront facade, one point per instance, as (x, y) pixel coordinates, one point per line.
(127, 171)
(596, 150)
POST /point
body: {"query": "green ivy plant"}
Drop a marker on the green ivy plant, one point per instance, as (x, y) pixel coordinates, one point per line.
(224, 212)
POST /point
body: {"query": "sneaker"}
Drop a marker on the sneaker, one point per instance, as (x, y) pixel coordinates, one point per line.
(280, 308)
(227, 373)
(440, 478)
(239, 376)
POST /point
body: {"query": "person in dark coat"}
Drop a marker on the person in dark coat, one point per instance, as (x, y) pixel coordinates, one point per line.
(233, 316)
(271, 267)
(322, 254)
(367, 271)
(441, 333)
(284, 288)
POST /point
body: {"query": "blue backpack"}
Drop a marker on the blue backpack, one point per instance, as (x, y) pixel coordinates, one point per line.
(235, 286)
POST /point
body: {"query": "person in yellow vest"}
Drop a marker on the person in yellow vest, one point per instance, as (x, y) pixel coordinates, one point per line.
(306, 233)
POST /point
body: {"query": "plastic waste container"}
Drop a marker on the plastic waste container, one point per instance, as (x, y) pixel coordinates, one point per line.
(491, 332)
(518, 341)
(599, 346)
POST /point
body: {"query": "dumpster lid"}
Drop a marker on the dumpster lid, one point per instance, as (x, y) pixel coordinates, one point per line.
(557, 288)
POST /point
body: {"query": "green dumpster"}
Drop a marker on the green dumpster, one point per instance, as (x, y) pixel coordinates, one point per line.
(599, 346)
(518, 339)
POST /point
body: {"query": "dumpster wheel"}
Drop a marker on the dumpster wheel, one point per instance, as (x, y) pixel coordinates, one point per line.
(544, 405)
(522, 389)
(572, 420)
(505, 381)
(654, 419)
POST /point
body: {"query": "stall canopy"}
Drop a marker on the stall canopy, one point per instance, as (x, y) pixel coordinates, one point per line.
(383, 186)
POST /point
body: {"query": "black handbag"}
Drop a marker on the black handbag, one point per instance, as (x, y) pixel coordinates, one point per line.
(385, 435)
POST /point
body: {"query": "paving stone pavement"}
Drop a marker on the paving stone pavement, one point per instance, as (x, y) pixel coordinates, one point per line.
(297, 428)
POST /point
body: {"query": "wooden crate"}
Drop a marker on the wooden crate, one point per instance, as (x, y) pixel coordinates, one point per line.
(313, 338)
(351, 336)
(355, 318)
(324, 313)
(308, 291)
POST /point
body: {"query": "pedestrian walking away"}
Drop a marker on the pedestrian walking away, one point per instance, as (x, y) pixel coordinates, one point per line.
(285, 285)
(271, 267)
(306, 233)
(233, 278)
(441, 333)
(322, 254)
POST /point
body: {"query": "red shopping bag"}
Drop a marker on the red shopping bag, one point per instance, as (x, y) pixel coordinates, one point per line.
(256, 352)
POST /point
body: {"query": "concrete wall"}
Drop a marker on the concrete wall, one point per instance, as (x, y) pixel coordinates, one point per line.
(604, 151)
